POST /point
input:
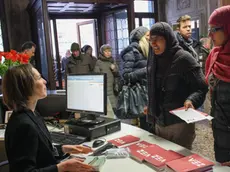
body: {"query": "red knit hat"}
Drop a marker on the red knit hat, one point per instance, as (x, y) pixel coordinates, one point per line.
(221, 17)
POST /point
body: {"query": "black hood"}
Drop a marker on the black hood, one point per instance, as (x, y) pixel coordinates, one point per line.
(165, 30)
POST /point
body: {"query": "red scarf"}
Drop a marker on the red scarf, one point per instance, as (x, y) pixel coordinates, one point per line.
(218, 63)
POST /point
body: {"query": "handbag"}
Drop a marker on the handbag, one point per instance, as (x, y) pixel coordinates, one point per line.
(131, 101)
(117, 85)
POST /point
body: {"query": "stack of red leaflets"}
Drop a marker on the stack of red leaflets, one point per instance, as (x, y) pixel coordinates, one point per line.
(124, 140)
(192, 163)
(135, 150)
(159, 157)
(152, 154)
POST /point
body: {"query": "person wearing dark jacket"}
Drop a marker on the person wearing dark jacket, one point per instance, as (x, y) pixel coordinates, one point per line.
(134, 61)
(29, 48)
(106, 64)
(64, 61)
(27, 140)
(175, 79)
(184, 36)
(78, 63)
(217, 71)
(87, 49)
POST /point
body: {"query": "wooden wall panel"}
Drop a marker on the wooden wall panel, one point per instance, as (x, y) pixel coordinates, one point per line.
(17, 22)
(224, 2)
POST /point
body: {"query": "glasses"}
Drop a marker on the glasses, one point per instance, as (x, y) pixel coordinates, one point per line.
(214, 29)
(155, 39)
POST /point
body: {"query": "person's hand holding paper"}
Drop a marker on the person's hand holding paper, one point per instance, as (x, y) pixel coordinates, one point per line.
(190, 115)
(188, 104)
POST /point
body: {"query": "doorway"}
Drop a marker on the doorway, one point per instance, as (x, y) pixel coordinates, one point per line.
(81, 31)
(87, 35)
(112, 20)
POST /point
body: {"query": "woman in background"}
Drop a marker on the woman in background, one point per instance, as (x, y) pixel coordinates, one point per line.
(217, 71)
(106, 64)
(27, 140)
(134, 62)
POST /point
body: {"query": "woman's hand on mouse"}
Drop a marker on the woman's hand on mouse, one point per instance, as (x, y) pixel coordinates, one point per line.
(76, 149)
(74, 165)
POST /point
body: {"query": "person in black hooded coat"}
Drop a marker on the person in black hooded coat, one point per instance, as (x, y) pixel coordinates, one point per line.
(175, 79)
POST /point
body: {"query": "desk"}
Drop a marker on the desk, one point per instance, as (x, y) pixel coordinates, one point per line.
(127, 164)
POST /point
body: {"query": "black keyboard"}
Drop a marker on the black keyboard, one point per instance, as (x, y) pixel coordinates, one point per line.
(67, 139)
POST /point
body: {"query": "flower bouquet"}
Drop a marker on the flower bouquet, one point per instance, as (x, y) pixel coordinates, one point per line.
(11, 58)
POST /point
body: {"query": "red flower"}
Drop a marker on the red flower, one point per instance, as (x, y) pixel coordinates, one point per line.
(8, 55)
(12, 58)
(24, 58)
(1, 56)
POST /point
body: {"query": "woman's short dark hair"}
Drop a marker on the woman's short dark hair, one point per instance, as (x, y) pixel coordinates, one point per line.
(17, 86)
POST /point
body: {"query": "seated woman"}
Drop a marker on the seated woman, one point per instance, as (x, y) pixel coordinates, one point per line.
(27, 140)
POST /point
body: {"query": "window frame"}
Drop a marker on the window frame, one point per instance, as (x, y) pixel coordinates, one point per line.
(3, 27)
(149, 15)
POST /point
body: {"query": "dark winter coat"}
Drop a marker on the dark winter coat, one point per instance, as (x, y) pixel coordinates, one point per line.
(221, 122)
(194, 47)
(134, 64)
(180, 79)
(79, 65)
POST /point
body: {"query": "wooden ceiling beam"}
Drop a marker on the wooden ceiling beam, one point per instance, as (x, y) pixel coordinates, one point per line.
(93, 1)
(66, 7)
(90, 8)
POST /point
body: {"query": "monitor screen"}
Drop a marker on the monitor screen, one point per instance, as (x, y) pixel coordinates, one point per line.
(53, 104)
(86, 93)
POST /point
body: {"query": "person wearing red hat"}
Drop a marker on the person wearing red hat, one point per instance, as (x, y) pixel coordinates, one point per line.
(217, 76)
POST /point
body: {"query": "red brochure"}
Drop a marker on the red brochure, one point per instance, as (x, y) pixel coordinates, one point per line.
(124, 140)
(190, 163)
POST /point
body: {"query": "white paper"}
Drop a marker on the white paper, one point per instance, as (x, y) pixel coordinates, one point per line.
(191, 115)
(2, 133)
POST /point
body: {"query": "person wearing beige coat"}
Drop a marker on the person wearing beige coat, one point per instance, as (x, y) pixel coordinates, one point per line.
(106, 64)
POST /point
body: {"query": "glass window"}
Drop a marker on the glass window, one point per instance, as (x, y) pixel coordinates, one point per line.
(110, 33)
(1, 41)
(53, 41)
(143, 6)
(87, 35)
(198, 23)
(137, 24)
(66, 35)
(148, 22)
(193, 23)
(122, 30)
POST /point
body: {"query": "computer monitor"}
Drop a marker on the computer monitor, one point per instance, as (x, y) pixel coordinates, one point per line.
(87, 94)
(54, 104)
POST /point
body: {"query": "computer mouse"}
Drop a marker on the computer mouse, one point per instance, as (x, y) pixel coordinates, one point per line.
(98, 143)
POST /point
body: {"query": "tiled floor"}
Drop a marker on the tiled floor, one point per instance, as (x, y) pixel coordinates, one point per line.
(203, 143)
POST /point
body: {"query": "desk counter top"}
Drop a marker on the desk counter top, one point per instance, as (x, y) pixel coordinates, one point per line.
(128, 164)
